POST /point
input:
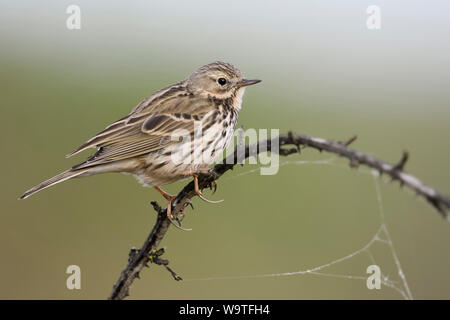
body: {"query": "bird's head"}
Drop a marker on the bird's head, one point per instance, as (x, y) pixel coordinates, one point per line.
(218, 79)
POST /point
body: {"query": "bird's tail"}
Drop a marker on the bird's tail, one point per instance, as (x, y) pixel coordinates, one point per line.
(63, 176)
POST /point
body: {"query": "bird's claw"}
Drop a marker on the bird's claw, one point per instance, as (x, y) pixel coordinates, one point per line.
(213, 186)
(178, 226)
(198, 192)
(178, 221)
(188, 203)
(200, 195)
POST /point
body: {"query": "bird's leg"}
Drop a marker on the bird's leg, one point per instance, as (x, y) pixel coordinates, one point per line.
(169, 198)
(199, 192)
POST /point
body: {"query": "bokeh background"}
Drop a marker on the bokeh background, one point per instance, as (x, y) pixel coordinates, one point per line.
(324, 74)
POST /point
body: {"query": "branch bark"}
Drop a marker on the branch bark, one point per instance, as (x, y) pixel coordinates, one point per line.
(138, 259)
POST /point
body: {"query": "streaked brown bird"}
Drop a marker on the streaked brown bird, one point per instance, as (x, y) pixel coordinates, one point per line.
(175, 133)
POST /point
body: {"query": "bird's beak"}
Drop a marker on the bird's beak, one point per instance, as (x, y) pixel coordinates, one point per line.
(246, 82)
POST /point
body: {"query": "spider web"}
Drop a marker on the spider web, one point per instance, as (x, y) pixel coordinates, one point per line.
(381, 236)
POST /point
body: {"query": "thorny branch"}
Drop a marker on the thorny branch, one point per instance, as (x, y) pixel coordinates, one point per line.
(138, 259)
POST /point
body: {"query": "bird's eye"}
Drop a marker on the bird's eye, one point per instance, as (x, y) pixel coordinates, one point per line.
(222, 81)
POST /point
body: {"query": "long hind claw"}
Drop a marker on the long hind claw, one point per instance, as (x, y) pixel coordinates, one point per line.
(172, 219)
(199, 192)
(178, 226)
(200, 195)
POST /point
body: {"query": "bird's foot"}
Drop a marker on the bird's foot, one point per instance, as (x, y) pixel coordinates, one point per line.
(169, 198)
(199, 193)
(176, 221)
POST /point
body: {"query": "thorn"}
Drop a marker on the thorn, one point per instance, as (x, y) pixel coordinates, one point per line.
(437, 205)
(138, 276)
(156, 206)
(400, 165)
(350, 140)
(132, 254)
(291, 136)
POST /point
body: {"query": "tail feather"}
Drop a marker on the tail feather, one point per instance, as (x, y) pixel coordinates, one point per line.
(63, 176)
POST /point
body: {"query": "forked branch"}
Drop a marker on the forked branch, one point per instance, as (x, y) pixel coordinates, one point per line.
(138, 259)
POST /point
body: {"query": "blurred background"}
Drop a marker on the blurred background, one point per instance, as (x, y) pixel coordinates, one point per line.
(324, 74)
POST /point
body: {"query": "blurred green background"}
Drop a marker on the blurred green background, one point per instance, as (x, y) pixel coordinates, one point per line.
(324, 74)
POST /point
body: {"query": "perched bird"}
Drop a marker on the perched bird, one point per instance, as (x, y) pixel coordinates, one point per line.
(175, 133)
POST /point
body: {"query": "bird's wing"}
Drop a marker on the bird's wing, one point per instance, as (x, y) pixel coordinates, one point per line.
(146, 129)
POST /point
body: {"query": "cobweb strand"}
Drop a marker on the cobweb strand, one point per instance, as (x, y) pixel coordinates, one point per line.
(382, 236)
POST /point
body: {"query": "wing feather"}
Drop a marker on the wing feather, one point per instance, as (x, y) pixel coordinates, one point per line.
(147, 128)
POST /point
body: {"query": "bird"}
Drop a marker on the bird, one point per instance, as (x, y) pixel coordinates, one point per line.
(175, 133)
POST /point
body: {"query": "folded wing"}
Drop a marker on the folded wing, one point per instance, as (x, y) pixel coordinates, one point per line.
(149, 129)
